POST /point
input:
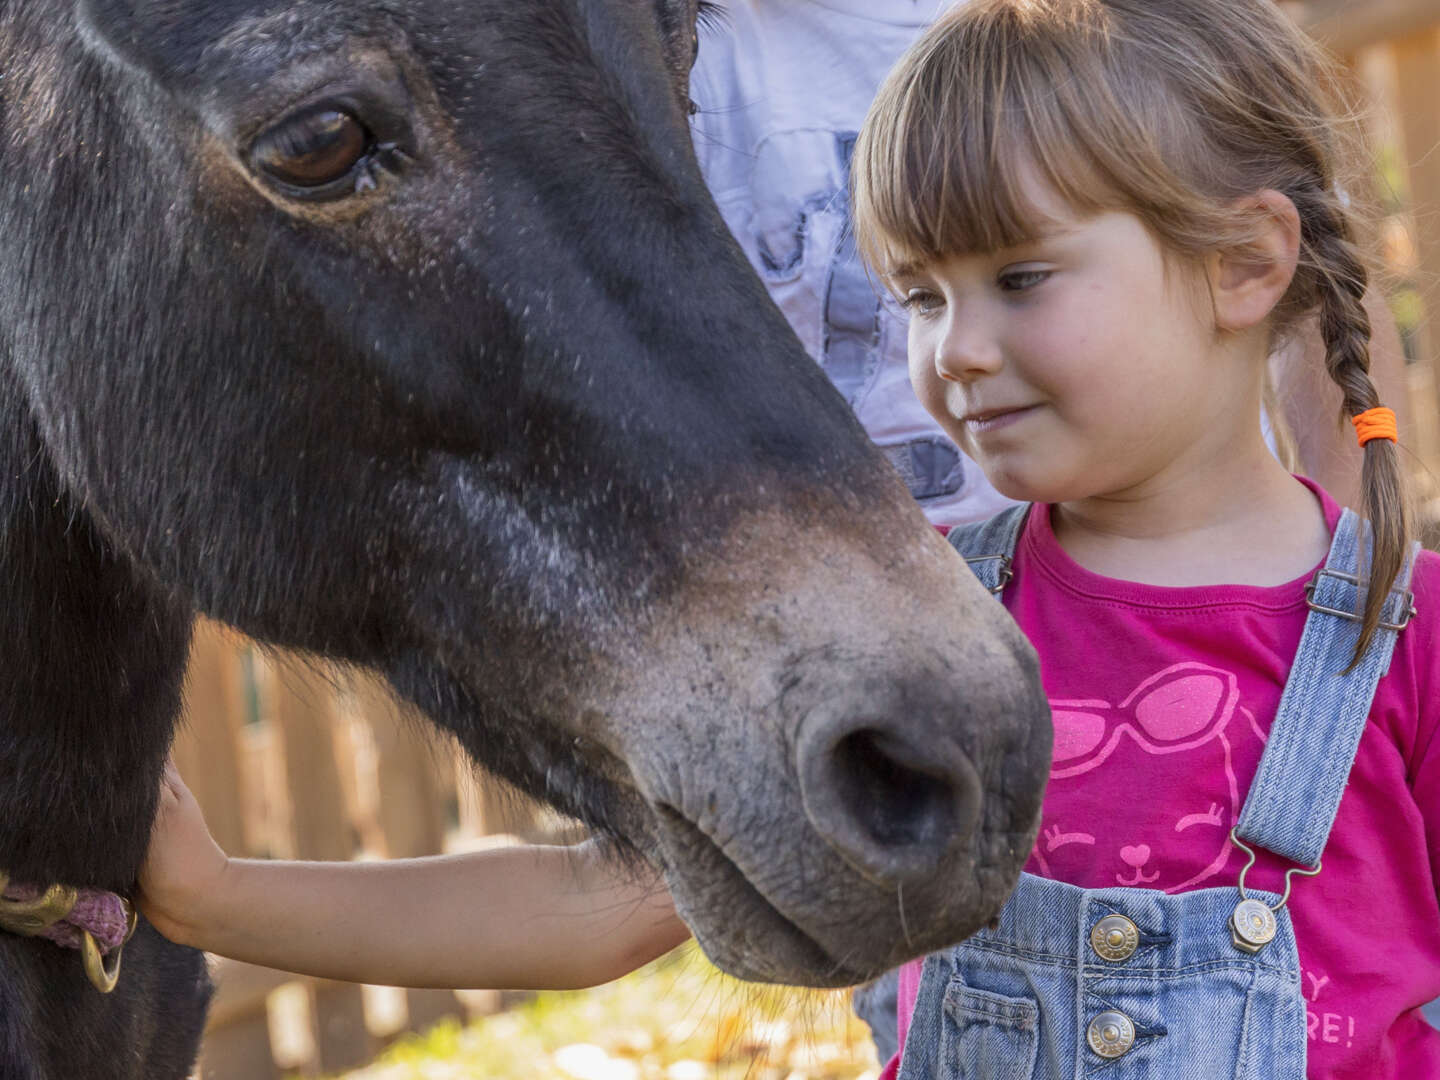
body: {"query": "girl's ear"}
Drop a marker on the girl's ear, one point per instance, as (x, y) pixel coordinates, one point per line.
(1246, 283)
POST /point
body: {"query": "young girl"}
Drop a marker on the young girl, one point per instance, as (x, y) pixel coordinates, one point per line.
(1100, 215)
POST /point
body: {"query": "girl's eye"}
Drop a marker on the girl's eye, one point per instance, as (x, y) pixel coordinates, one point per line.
(312, 150)
(1020, 280)
(921, 300)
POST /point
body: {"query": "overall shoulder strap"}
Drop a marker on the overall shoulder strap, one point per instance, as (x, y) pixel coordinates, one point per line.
(989, 546)
(1292, 803)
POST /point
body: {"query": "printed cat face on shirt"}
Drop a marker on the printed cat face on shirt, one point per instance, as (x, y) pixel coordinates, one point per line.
(1144, 793)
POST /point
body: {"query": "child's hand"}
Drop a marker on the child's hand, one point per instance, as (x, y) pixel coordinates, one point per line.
(184, 866)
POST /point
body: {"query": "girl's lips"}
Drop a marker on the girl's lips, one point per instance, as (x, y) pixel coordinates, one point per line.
(994, 419)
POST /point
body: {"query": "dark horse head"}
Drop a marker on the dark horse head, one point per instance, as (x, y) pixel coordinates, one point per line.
(405, 332)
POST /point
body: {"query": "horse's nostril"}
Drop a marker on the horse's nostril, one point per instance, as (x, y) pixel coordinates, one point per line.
(893, 800)
(894, 806)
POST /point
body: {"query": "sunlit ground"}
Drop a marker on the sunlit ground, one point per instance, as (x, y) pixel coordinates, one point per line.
(677, 1019)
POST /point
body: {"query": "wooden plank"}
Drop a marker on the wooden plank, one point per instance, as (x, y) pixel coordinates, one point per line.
(1346, 26)
(1417, 80)
(207, 744)
(409, 813)
(343, 1041)
(1424, 389)
(426, 1008)
(354, 750)
(408, 806)
(240, 991)
(300, 704)
(262, 790)
(493, 808)
(239, 1050)
(290, 1018)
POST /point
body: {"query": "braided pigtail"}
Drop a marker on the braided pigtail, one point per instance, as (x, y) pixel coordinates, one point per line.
(1341, 281)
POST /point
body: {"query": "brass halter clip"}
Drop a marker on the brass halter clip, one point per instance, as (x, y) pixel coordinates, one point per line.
(30, 917)
(102, 977)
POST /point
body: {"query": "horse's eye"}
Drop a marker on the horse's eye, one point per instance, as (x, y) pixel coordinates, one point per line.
(312, 150)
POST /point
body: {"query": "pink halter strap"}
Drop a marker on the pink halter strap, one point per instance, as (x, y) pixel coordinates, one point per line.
(105, 915)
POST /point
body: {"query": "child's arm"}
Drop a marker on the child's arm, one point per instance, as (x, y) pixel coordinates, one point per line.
(511, 918)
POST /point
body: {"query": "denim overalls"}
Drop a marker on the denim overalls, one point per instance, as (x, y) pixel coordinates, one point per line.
(1130, 982)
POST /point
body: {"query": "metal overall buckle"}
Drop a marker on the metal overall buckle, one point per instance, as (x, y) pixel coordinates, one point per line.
(1004, 574)
(1407, 600)
(1253, 924)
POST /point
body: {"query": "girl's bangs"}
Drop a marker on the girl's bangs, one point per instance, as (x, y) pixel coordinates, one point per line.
(964, 136)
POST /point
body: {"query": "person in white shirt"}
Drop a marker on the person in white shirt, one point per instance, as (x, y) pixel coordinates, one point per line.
(781, 88)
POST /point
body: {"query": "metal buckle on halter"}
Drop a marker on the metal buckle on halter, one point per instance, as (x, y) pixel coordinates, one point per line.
(1005, 572)
(1253, 924)
(1407, 599)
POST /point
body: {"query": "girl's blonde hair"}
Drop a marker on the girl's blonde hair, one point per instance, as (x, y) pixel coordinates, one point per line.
(1174, 110)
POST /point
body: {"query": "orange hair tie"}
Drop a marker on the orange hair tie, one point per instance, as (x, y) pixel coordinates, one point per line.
(1376, 423)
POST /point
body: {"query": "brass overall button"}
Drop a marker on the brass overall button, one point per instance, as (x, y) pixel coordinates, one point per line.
(1114, 938)
(1252, 925)
(1111, 1034)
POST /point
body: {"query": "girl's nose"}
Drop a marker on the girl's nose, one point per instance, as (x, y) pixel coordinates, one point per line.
(966, 352)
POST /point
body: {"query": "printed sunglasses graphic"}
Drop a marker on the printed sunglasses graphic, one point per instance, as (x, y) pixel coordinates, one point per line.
(1174, 726)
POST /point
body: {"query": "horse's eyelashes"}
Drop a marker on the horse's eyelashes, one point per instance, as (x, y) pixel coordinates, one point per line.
(313, 152)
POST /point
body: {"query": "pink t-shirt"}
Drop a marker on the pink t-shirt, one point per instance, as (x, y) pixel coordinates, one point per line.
(1162, 699)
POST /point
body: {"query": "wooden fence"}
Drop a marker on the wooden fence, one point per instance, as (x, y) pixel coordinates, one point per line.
(290, 760)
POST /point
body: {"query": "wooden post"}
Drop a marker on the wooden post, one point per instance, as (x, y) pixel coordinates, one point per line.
(492, 808)
(299, 704)
(344, 1041)
(238, 1050)
(407, 763)
(1346, 26)
(1417, 77)
(408, 808)
(207, 747)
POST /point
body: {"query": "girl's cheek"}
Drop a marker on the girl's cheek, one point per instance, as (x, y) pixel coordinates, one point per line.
(928, 386)
(919, 356)
(952, 408)
(1049, 348)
